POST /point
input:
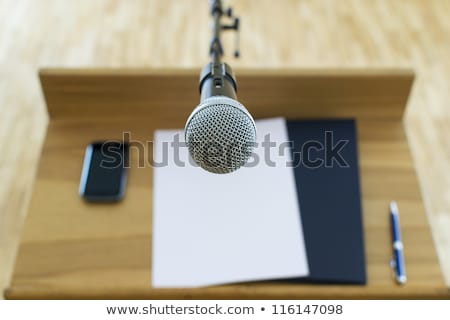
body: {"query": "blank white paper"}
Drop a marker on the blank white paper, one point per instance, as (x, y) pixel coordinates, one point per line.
(211, 229)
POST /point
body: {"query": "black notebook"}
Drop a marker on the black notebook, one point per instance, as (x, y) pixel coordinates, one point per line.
(325, 160)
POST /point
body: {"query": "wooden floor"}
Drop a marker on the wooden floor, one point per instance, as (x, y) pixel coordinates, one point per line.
(173, 33)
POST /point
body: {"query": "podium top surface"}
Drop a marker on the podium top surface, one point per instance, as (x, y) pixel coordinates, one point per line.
(71, 249)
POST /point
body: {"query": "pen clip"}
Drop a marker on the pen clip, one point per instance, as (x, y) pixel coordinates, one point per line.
(398, 278)
(393, 265)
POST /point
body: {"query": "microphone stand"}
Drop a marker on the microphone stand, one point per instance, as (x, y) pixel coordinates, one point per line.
(216, 49)
(217, 78)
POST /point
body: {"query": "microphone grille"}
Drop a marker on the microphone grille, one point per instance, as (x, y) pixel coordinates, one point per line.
(220, 134)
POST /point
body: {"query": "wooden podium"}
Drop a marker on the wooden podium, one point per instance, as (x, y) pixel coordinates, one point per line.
(71, 249)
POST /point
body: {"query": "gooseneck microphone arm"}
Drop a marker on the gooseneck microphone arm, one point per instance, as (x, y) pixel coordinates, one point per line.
(217, 78)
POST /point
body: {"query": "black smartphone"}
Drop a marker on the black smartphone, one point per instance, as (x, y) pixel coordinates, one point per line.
(104, 174)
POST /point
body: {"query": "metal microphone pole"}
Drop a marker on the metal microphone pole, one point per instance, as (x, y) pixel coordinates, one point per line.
(217, 78)
(220, 133)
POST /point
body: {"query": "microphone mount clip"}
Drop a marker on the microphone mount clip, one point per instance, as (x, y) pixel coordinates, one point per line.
(217, 11)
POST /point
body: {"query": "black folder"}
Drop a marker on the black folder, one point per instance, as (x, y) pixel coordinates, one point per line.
(325, 161)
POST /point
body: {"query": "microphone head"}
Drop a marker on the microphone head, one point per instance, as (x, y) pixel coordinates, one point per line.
(220, 134)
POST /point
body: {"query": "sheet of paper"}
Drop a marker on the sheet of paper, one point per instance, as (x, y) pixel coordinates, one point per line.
(213, 229)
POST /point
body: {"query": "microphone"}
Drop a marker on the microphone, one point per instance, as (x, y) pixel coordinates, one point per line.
(220, 133)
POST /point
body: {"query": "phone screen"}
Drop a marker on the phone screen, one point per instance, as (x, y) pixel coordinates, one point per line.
(104, 171)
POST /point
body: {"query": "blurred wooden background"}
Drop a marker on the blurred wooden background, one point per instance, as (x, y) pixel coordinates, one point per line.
(173, 33)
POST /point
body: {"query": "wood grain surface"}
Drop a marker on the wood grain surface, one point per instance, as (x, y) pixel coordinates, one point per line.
(171, 33)
(72, 249)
